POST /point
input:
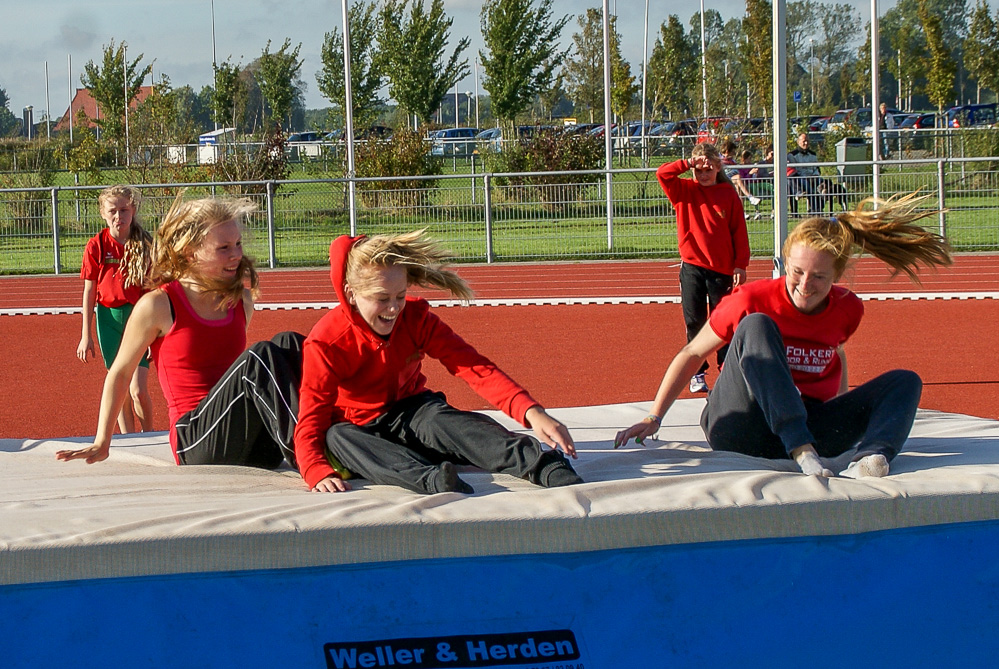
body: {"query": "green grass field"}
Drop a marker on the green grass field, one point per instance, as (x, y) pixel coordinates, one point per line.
(573, 226)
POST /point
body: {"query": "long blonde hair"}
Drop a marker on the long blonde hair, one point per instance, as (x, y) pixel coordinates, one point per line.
(423, 259)
(137, 258)
(184, 229)
(883, 228)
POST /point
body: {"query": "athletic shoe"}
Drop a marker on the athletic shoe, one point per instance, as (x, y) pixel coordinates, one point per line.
(698, 384)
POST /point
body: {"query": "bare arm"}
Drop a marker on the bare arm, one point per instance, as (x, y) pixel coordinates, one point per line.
(86, 346)
(683, 366)
(248, 306)
(150, 319)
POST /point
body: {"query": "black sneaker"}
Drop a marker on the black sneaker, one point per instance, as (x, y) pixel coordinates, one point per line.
(447, 480)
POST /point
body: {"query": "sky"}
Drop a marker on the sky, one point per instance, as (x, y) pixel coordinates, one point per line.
(176, 36)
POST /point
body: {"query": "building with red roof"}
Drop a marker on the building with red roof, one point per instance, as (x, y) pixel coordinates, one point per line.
(85, 101)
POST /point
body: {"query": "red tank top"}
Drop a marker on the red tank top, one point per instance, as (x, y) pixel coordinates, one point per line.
(192, 357)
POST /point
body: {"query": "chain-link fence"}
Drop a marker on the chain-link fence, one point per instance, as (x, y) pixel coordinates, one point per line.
(496, 217)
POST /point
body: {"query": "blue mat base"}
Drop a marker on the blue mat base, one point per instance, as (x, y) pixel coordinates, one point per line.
(926, 596)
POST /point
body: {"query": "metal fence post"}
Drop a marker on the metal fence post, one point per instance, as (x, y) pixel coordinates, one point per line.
(272, 260)
(473, 178)
(609, 204)
(941, 197)
(488, 214)
(55, 230)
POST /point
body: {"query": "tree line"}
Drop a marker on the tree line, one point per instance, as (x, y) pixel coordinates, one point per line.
(933, 52)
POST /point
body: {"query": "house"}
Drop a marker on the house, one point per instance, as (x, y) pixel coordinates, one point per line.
(83, 100)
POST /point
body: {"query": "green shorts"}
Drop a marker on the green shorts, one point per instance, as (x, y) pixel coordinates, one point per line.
(110, 328)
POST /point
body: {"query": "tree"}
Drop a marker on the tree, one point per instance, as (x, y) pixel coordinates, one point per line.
(940, 84)
(835, 53)
(981, 48)
(412, 54)
(521, 54)
(585, 70)
(552, 95)
(8, 122)
(107, 85)
(624, 87)
(756, 52)
(672, 70)
(230, 96)
(366, 79)
(279, 81)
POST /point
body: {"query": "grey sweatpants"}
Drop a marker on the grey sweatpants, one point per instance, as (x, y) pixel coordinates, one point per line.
(756, 409)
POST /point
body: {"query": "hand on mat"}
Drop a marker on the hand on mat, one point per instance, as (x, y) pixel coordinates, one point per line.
(331, 484)
(638, 432)
(550, 431)
(92, 454)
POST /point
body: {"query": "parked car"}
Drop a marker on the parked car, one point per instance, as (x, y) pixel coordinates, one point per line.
(801, 124)
(308, 136)
(493, 139)
(711, 127)
(820, 124)
(579, 128)
(454, 142)
(972, 116)
(919, 121)
(839, 119)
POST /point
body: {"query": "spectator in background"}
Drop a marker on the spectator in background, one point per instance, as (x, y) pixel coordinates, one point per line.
(736, 176)
(886, 122)
(804, 173)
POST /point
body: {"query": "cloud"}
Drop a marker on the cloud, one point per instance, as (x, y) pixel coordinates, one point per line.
(78, 32)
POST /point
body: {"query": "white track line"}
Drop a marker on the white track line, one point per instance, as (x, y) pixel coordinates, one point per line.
(532, 302)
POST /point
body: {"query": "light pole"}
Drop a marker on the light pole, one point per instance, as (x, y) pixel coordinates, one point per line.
(215, 64)
(477, 92)
(704, 66)
(811, 68)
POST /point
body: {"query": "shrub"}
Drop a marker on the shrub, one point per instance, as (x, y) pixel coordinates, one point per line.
(550, 151)
(269, 162)
(29, 210)
(405, 154)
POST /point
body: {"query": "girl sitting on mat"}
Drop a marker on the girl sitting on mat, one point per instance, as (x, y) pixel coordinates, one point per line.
(115, 264)
(365, 407)
(227, 405)
(783, 392)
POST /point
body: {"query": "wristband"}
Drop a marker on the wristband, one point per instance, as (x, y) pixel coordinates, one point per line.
(654, 418)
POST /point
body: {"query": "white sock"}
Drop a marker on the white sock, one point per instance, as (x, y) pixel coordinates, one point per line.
(869, 465)
(811, 464)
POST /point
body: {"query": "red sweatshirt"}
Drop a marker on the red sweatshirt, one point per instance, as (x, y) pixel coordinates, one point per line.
(349, 373)
(710, 222)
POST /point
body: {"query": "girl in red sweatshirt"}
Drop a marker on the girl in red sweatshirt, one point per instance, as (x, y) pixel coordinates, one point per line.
(714, 242)
(364, 405)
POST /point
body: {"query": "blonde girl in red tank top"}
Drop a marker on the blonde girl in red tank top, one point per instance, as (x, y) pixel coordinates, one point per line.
(194, 320)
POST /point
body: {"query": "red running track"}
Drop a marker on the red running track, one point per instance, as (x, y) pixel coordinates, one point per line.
(519, 281)
(566, 354)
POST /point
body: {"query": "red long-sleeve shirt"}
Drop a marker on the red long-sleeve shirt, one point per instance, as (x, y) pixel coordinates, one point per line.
(710, 222)
(351, 374)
